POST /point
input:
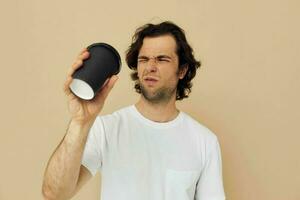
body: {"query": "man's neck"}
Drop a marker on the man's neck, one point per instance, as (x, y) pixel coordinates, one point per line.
(158, 112)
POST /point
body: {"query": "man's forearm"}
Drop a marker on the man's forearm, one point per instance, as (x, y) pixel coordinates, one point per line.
(61, 174)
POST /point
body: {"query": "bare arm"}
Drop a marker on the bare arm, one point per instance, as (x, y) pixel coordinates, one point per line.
(84, 176)
(64, 174)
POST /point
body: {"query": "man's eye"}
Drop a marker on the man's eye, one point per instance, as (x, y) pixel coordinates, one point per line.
(163, 60)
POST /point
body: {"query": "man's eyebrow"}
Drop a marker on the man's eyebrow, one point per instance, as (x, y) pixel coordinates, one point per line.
(143, 57)
(164, 56)
(160, 56)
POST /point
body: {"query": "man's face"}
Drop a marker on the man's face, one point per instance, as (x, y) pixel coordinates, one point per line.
(158, 68)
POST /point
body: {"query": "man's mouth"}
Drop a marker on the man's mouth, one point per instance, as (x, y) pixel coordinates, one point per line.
(150, 80)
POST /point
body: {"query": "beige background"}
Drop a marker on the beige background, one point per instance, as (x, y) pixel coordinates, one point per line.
(247, 90)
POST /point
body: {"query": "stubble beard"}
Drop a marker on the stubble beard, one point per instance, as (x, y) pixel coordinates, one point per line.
(161, 95)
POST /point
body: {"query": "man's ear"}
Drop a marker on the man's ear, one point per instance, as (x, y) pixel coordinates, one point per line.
(183, 71)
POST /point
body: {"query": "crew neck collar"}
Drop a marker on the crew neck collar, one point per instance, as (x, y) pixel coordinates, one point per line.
(154, 124)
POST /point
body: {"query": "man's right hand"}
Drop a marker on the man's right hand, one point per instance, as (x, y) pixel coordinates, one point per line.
(85, 111)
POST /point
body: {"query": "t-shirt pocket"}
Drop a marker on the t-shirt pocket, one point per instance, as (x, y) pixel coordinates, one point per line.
(180, 184)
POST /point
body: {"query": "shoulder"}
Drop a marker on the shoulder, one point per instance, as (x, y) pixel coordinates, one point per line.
(198, 128)
(205, 138)
(115, 116)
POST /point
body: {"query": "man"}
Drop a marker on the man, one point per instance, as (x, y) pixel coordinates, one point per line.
(146, 151)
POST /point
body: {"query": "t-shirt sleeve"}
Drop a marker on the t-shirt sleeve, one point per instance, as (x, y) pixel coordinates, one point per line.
(210, 183)
(92, 154)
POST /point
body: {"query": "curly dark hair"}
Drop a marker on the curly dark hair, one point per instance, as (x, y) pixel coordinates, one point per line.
(184, 52)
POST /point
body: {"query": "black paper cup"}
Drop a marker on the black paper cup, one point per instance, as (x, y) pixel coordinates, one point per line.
(103, 62)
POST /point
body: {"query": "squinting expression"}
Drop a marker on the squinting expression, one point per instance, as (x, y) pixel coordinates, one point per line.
(158, 68)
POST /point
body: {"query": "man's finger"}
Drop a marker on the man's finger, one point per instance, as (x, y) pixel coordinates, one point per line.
(77, 64)
(82, 51)
(84, 55)
(66, 85)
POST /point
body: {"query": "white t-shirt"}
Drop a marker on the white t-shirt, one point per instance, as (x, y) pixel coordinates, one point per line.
(140, 159)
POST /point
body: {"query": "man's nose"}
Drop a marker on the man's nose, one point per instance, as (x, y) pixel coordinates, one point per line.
(152, 65)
